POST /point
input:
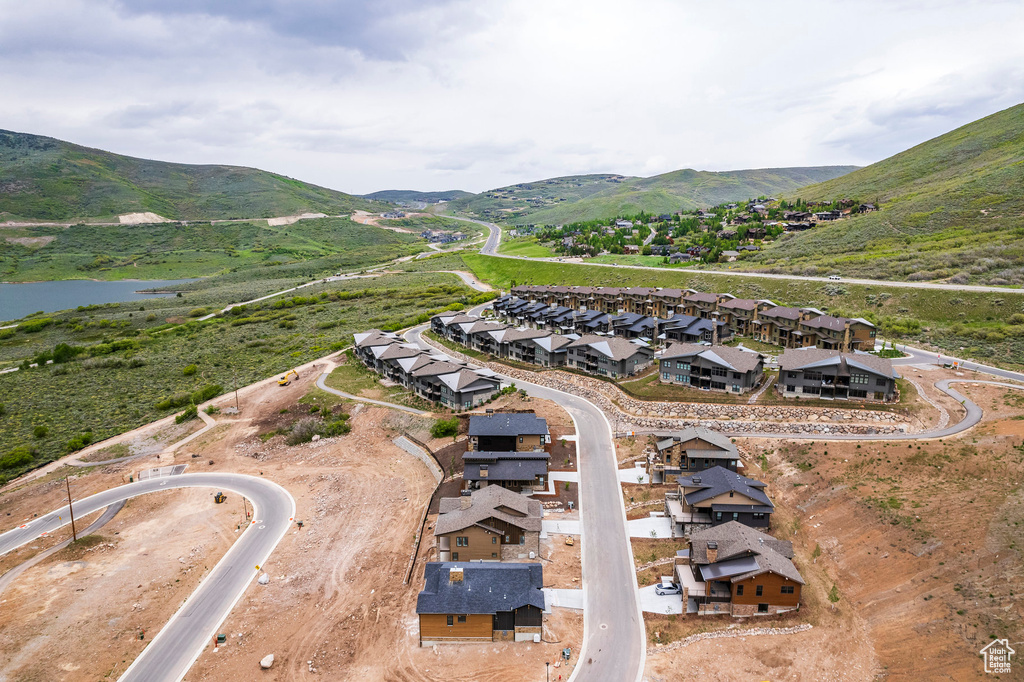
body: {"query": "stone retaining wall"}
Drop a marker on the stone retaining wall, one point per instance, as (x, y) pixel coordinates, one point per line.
(632, 414)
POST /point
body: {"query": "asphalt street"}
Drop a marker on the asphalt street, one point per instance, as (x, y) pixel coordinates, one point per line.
(173, 651)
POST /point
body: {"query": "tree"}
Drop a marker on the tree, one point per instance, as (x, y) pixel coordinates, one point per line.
(443, 428)
(833, 596)
(647, 250)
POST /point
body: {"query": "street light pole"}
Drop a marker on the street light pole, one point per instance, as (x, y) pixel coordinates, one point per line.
(235, 375)
(548, 664)
(74, 535)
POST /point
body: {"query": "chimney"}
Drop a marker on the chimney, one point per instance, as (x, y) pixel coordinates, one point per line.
(712, 555)
(483, 471)
(714, 330)
(465, 502)
(455, 575)
(846, 336)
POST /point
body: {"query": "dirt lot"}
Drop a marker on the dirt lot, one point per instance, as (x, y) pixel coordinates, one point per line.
(336, 606)
(921, 540)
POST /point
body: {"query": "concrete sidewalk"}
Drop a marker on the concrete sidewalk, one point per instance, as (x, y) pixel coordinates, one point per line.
(642, 528)
(561, 527)
(569, 599)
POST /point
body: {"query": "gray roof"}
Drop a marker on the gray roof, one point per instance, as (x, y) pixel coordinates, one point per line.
(737, 541)
(816, 358)
(726, 356)
(719, 480)
(507, 424)
(505, 466)
(738, 303)
(613, 347)
(783, 312)
(374, 337)
(484, 588)
(714, 437)
(486, 503)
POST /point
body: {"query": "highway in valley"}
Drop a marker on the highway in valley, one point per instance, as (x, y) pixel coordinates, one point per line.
(172, 652)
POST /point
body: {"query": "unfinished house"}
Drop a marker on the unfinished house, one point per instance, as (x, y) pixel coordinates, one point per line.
(716, 496)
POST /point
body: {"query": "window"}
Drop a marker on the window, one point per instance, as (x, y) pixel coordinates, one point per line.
(494, 555)
(451, 621)
(758, 517)
(735, 375)
(858, 378)
(462, 541)
(679, 378)
(494, 540)
(462, 619)
(455, 556)
(880, 381)
(718, 372)
(718, 516)
(666, 376)
(787, 589)
(739, 590)
(735, 516)
(759, 591)
(520, 439)
(683, 365)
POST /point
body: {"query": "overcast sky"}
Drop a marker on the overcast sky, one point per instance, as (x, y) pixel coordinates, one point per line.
(442, 94)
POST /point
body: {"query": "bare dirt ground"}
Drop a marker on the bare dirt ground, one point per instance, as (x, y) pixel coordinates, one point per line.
(922, 541)
(146, 218)
(336, 595)
(365, 218)
(292, 219)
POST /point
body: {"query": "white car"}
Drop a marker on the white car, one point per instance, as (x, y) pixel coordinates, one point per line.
(834, 277)
(667, 588)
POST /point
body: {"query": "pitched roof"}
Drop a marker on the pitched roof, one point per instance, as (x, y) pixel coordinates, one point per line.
(725, 356)
(505, 466)
(716, 481)
(700, 297)
(815, 358)
(507, 424)
(484, 588)
(486, 503)
(374, 337)
(737, 542)
(698, 432)
(738, 303)
(783, 312)
(613, 347)
(466, 378)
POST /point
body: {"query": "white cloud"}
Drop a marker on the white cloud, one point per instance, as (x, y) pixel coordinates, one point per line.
(473, 95)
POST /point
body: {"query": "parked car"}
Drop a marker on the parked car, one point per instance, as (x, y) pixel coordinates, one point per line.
(667, 588)
(834, 277)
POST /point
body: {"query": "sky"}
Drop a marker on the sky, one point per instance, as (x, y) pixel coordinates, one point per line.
(475, 94)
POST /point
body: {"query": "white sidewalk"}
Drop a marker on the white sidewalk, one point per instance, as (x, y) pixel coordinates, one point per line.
(561, 527)
(641, 528)
(569, 599)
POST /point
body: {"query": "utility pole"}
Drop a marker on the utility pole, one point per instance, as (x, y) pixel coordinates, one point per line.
(74, 535)
(235, 375)
(245, 508)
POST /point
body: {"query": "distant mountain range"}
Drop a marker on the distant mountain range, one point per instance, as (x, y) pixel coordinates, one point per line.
(951, 208)
(406, 196)
(42, 178)
(597, 197)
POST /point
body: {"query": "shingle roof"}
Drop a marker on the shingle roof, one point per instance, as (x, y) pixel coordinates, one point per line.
(733, 358)
(808, 358)
(613, 347)
(507, 424)
(484, 588)
(783, 312)
(735, 541)
(718, 480)
(489, 503)
(714, 437)
(739, 303)
(505, 466)
(374, 337)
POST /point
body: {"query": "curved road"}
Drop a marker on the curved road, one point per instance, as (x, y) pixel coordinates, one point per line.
(173, 651)
(615, 643)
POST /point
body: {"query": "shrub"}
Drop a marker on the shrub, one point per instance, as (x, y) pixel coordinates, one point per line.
(17, 457)
(33, 326)
(62, 352)
(80, 441)
(189, 370)
(303, 430)
(197, 312)
(40, 431)
(205, 393)
(176, 400)
(443, 428)
(189, 413)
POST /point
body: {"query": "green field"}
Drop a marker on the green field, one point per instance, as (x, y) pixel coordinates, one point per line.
(527, 247)
(951, 210)
(647, 261)
(136, 355)
(597, 197)
(174, 251)
(49, 179)
(986, 326)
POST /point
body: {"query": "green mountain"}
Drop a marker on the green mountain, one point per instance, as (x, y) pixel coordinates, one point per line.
(42, 178)
(951, 208)
(593, 197)
(406, 196)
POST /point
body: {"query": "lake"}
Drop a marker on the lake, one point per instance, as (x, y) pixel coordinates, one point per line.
(19, 300)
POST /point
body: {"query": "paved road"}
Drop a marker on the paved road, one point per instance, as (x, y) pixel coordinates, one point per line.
(917, 356)
(490, 248)
(615, 644)
(8, 577)
(173, 651)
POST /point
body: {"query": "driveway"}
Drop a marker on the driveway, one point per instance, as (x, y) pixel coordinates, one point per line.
(654, 603)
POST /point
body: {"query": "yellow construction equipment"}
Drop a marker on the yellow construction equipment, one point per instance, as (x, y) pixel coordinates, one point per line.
(570, 541)
(284, 381)
(219, 497)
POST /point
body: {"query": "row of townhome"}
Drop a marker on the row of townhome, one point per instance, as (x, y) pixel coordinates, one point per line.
(432, 376)
(612, 356)
(762, 320)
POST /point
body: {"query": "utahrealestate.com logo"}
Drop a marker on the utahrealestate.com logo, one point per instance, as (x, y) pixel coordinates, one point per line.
(997, 654)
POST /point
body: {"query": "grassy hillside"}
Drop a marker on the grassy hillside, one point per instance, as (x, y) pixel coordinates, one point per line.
(595, 197)
(172, 251)
(984, 326)
(951, 209)
(406, 196)
(42, 178)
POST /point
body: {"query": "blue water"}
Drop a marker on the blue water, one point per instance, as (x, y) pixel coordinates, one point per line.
(19, 300)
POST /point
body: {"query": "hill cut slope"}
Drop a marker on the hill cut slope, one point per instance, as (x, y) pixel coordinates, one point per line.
(42, 178)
